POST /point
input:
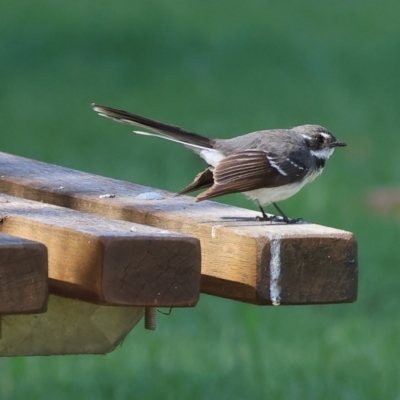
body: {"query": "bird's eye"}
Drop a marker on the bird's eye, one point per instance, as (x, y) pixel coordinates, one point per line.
(320, 139)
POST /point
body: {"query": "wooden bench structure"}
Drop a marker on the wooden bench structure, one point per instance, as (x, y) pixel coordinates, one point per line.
(83, 255)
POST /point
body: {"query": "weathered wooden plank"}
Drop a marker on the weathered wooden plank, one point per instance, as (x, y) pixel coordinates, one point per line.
(68, 327)
(242, 259)
(23, 276)
(108, 261)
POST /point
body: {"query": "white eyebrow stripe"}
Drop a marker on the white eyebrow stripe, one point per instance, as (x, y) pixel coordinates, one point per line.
(325, 135)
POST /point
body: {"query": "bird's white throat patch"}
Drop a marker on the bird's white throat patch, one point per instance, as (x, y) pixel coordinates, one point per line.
(323, 153)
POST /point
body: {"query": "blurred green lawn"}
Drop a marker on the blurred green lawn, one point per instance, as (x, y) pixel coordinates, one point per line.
(221, 69)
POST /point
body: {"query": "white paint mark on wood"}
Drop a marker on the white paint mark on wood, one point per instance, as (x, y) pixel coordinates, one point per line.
(214, 231)
(275, 271)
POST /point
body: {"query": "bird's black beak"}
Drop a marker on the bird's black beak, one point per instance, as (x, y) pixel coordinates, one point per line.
(338, 143)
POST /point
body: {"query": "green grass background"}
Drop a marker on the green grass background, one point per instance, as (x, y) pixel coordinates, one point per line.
(220, 69)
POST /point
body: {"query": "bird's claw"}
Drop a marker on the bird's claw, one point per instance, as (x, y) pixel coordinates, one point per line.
(272, 218)
(295, 221)
(275, 218)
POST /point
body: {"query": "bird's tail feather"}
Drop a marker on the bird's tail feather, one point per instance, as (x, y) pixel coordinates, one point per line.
(165, 131)
(203, 180)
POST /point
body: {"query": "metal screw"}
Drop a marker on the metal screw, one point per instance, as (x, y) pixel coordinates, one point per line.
(150, 318)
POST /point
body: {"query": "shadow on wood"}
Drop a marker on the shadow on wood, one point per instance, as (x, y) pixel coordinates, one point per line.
(68, 327)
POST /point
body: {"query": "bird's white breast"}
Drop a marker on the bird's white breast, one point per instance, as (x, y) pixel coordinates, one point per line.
(267, 196)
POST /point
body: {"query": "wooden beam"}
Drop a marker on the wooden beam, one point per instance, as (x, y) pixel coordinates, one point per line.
(23, 276)
(68, 327)
(108, 261)
(242, 259)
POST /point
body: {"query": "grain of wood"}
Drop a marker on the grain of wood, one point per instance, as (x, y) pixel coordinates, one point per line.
(317, 264)
(23, 276)
(108, 261)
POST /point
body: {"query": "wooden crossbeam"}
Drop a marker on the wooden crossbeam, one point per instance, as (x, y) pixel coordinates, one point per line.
(23, 276)
(107, 261)
(242, 259)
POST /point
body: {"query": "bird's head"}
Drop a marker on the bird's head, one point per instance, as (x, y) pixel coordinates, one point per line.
(319, 140)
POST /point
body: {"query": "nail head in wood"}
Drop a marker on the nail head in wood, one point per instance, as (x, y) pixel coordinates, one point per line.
(150, 318)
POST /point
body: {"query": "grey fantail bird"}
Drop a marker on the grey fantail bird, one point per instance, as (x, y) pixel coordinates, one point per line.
(267, 166)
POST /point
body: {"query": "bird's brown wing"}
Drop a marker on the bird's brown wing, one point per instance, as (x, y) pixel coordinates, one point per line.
(253, 169)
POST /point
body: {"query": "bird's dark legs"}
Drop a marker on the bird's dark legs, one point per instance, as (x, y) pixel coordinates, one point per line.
(274, 218)
(264, 216)
(285, 218)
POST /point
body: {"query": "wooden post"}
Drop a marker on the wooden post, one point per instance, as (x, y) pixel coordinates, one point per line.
(255, 262)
